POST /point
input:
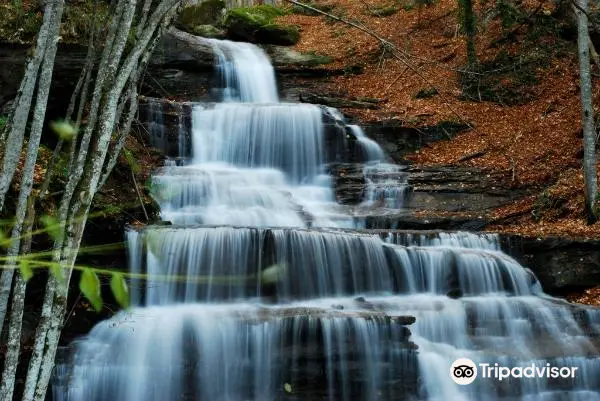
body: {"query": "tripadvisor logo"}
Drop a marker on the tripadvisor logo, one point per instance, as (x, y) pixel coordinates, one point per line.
(464, 371)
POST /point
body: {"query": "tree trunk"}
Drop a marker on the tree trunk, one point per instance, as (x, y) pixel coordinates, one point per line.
(468, 23)
(11, 361)
(18, 120)
(47, 53)
(89, 168)
(587, 113)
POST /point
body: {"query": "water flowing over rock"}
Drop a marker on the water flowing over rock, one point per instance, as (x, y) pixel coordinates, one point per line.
(265, 288)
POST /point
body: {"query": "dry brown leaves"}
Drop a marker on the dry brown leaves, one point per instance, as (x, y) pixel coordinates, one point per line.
(589, 297)
(532, 144)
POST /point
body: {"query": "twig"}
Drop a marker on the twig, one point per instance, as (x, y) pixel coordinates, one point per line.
(392, 49)
(473, 155)
(137, 190)
(395, 80)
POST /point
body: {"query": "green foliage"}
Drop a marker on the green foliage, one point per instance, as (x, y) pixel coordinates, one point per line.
(57, 272)
(133, 164)
(119, 289)
(25, 269)
(64, 129)
(273, 274)
(3, 121)
(52, 226)
(4, 239)
(89, 285)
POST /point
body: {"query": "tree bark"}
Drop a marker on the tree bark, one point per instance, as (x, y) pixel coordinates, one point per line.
(468, 22)
(18, 120)
(587, 113)
(39, 113)
(90, 168)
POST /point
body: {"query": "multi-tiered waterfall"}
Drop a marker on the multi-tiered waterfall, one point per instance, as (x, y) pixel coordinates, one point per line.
(261, 291)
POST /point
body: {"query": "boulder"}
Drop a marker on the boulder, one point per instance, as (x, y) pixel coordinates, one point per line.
(257, 25)
(208, 12)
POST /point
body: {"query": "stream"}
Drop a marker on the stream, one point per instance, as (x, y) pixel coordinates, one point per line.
(277, 292)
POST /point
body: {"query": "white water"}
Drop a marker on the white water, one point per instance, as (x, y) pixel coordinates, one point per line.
(245, 72)
(386, 184)
(325, 330)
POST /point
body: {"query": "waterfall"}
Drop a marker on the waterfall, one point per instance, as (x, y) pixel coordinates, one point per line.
(256, 293)
(245, 72)
(386, 184)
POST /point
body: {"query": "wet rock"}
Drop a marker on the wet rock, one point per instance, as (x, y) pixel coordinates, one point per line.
(560, 264)
(455, 293)
(404, 320)
(397, 139)
(208, 31)
(339, 102)
(286, 57)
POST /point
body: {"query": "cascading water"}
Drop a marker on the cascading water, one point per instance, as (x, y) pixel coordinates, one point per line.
(386, 184)
(260, 307)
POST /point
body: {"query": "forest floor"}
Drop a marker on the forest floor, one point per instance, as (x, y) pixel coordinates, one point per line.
(522, 99)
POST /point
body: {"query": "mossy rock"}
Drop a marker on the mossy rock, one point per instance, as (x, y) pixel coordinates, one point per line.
(209, 12)
(384, 11)
(208, 31)
(289, 57)
(257, 25)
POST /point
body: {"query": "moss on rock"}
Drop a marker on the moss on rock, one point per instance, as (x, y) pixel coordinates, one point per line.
(208, 31)
(257, 24)
(209, 12)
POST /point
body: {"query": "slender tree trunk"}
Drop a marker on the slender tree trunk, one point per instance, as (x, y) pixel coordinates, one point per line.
(15, 326)
(468, 23)
(25, 199)
(18, 120)
(587, 113)
(89, 169)
(48, 53)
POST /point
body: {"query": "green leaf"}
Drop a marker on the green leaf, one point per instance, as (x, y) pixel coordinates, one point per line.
(4, 240)
(89, 284)
(25, 269)
(133, 164)
(64, 129)
(273, 274)
(52, 226)
(118, 286)
(57, 271)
